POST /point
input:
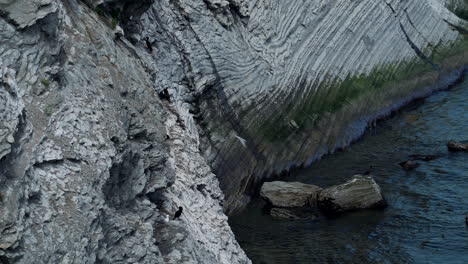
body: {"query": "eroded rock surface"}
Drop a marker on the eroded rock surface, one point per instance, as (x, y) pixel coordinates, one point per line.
(289, 194)
(361, 192)
(92, 161)
(457, 146)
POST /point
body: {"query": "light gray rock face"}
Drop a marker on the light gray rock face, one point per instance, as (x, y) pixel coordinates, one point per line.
(361, 192)
(289, 194)
(10, 109)
(272, 84)
(25, 13)
(92, 162)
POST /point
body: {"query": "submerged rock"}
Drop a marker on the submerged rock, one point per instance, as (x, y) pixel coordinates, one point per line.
(361, 192)
(409, 165)
(289, 194)
(282, 213)
(441, 171)
(423, 157)
(457, 146)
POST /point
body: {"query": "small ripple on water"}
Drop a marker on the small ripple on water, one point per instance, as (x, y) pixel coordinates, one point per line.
(424, 222)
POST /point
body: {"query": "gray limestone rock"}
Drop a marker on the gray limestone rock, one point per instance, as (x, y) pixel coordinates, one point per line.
(88, 171)
(92, 161)
(457, 146)
(25, 13)
(11, 108)
(361, 192)
(409, 165)
(289, 194)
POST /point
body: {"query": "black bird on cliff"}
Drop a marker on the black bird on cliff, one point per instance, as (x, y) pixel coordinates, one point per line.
(178, 213)
(368, 172)
(148, 44)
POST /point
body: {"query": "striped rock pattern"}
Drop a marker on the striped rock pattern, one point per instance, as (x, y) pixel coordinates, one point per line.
(274, 84)
(93, 163)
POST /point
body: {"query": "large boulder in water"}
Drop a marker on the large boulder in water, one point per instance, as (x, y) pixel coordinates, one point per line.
(409, 165)
(361, 192)
(457, 146)
(289, 194)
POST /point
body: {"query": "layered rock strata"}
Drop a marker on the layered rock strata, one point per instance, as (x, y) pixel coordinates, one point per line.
(289, 194)
(361, 192)
(93, 161)
(282, 83)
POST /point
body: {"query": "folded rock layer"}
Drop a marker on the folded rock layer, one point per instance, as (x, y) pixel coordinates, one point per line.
(103, 137)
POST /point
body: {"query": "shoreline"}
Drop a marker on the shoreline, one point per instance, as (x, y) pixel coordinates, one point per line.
(357, 129)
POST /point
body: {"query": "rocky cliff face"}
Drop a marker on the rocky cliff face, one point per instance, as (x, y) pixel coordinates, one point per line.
(92, 162)
(282, 83)
(94, 158)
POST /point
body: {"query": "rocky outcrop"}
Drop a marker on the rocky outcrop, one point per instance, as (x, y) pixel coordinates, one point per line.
(409, 165)
(457, 146)
(297, 200)
(289, 194)
(276, 84)
(11, 110)
(92, 161)
(361, 192)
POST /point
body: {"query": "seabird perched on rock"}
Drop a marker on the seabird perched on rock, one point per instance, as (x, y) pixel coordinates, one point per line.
(178, 213)
(148, 44)
(164, 95)
(368, 172)
(118, 32)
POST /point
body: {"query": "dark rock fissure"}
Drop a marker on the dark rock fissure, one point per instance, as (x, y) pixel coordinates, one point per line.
(418, 51)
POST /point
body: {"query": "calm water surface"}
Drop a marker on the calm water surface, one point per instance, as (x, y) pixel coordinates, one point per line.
(425, 220)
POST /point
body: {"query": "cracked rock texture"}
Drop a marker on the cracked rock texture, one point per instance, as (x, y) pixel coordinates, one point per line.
(361, 192)
(92, 163)
(95, 160)
(289, 194)
(277, 84)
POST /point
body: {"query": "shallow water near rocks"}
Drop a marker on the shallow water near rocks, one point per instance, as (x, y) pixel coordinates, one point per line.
(425, 220)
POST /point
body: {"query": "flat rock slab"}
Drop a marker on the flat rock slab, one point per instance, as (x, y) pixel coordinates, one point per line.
(457, 146)
(289, 194)
(361, 192)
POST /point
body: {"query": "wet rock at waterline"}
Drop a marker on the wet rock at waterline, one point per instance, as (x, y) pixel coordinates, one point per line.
(441, 171)
(424, 157)
(457, 146)
(409, 165)
(361, 192)
(291, 214)
(289, 194)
